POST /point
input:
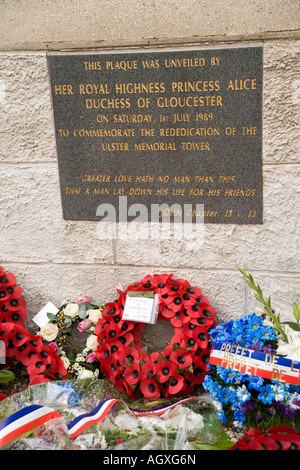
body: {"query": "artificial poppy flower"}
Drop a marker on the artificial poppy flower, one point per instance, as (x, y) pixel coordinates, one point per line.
(14, 304)
(277, 438)
(199, 375)
(7, 280)
(167, 312)
(126, 339)
(176, 383)
(181, 358)
(201, 359)
(123, 387)
(132, 373)
(188, 329)
(161, 284)
(147, 370)
(200, 334)
(203, 321)
(174, 302)
(149, 388)
(180, 318)
(111, 367)
(17, 316)
(57, 370)
(164, 369)
(128, 356)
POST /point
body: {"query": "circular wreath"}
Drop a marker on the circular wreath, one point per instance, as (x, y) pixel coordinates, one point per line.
(181, 365)
(85, 314)
(42, 362)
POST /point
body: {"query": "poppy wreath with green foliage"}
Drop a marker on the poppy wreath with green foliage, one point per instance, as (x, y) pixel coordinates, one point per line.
(42, 362)
(177, 369)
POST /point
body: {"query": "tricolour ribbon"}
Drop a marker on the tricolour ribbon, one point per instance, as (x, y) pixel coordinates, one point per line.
(24, 421)
(248, 361)
(33, 416)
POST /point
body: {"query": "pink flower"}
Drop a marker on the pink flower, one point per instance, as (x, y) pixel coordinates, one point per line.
(90, 357)
(83, 325)
(84, 299)
(54, 347)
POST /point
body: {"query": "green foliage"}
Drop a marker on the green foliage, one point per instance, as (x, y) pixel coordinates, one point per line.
(6, 376)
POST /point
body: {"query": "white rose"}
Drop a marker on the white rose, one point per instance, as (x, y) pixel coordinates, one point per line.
(65, 361)
(49, 331)
(94, 315)
(71, 310)
(92, 342)
(85, 374)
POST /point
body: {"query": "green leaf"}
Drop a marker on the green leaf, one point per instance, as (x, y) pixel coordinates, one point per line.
(82, 311)
(223, 443)
(296, 312)
(293, 325)
(6, 376)
(51, 316)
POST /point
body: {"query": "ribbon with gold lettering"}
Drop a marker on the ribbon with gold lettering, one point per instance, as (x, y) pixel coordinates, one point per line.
(248, 361)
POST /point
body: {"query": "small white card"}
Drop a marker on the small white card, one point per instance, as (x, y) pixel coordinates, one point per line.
(141, 309)
(41, 318)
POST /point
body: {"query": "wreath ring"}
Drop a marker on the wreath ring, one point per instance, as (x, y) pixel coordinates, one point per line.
(181, 366)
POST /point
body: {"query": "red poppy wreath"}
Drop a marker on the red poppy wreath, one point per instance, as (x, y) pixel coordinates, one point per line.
(41, 361)
(176, 370)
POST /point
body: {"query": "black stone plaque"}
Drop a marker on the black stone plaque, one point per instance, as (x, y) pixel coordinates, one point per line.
(178, 130)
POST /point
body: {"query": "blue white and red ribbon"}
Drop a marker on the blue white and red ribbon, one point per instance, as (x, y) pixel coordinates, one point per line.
(248, 361)
(24, 421)
(33, 416)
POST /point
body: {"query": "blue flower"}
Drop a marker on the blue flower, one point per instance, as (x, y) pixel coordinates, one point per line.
(224, 395)
(243, 393)
(228, 375)
(255, 382)
(239, 417)
(267, 394)
(222, 416)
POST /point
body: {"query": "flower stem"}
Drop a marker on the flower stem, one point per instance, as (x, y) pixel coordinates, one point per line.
(258, 294)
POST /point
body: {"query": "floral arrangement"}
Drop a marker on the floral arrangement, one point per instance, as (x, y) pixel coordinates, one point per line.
(245, 400)
(277, 438)
(181, 366)
(85, 314)
(42, 362)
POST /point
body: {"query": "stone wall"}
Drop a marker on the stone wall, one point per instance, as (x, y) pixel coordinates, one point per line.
(55, 259)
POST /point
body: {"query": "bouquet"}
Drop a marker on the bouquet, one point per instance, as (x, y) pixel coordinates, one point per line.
(248, 396)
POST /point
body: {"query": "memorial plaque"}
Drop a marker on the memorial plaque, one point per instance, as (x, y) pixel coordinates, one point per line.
(179, 130)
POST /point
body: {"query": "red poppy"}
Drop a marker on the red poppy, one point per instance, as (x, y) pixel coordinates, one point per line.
(201, 359)
(167, 312)
(181, 358)
(176, 383)
(132, 373)
(57, 370)
(123, 387)
(201, 335)
(7, 279)
(180, 318)
(164, 369)
(199, 374)
(17, 316)
(149, 388)
(203, 321)
(277, 438)
(128, 356)
(111, 367)
(188, 329)
(147, 370)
